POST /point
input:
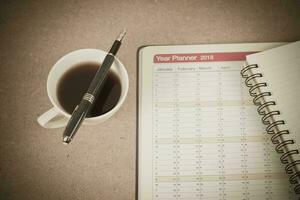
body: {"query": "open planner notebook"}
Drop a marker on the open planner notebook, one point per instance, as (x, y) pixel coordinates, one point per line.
(199, 134)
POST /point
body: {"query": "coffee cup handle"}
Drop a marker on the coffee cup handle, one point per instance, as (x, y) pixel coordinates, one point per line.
(52, 119)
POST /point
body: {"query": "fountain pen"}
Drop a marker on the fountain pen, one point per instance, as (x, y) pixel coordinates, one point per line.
(86, 103)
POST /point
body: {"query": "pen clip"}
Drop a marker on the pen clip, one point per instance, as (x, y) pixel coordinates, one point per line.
(74, 110)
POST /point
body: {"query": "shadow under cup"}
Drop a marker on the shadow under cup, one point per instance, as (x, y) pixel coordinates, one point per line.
(85, 62)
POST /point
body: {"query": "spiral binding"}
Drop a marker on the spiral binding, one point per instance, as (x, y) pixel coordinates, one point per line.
(273, 126)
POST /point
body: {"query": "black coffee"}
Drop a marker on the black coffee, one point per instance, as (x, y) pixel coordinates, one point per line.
(75, 82)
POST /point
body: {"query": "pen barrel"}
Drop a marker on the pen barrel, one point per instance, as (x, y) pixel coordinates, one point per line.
(115, 47)
(100, 76)
(77, 118)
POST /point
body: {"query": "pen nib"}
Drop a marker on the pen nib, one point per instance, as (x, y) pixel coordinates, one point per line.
(122, 34)
(67, 140)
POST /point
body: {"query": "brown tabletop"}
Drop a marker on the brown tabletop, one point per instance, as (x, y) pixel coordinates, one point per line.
(100, 162)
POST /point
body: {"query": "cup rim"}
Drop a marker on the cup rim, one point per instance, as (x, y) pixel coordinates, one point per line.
(103, 116)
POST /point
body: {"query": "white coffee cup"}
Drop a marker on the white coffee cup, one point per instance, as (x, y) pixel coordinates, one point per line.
(57, 117)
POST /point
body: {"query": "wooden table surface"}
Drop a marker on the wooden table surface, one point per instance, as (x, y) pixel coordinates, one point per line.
(100, 162)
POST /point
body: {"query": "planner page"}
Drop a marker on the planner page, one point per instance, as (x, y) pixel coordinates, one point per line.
(199, 136)
(281, 71)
